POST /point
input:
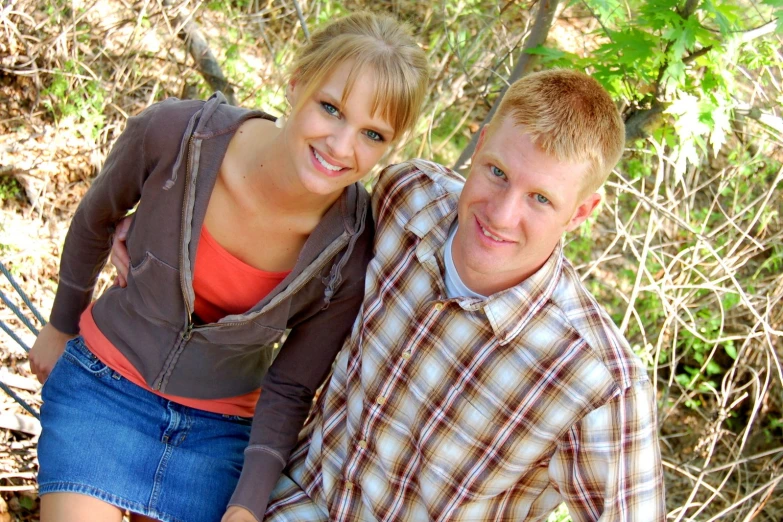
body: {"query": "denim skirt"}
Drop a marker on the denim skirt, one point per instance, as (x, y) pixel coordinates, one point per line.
(105, 437)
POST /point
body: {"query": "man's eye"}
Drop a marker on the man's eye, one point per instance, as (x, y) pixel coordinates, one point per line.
(331, 109)
(542, 199)
(497, 172)
(374, 136)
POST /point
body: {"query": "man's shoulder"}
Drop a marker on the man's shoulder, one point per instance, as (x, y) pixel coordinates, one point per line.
(409, 186)
(596, 327)
(420, 172)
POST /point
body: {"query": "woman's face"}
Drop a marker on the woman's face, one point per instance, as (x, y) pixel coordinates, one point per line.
(334, 145)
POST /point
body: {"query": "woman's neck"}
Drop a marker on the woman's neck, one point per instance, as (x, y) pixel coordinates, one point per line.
(270, 177)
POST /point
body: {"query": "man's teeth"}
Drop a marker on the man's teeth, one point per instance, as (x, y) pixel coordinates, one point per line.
(323, 162)
(496, 238)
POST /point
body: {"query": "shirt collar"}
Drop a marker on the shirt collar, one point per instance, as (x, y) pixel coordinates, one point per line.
(431, 225)
(511, 310)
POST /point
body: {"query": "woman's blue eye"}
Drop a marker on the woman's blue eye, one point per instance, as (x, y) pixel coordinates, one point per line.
(497, 172)
(374, 136)
(542, 199)
(331, 109)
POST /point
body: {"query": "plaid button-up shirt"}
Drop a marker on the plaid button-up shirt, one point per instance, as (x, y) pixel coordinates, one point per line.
(472, 409)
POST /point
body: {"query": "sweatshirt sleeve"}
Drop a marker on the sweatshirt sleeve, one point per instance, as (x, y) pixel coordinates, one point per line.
(87, 244)
(289, 386)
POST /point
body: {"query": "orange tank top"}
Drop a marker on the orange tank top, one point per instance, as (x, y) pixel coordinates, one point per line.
(223, 285)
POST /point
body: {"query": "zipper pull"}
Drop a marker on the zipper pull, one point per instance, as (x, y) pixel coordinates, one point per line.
(187, 332)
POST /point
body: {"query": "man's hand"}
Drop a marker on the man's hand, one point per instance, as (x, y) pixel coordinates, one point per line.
(238, 514)
(48, 347)
(119, 251)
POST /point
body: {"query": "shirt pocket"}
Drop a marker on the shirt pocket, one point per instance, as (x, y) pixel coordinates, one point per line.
(155, 291)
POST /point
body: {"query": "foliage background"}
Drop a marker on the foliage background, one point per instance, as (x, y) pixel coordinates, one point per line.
(686, 253)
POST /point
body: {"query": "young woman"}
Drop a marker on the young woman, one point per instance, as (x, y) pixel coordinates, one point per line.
(245, 227)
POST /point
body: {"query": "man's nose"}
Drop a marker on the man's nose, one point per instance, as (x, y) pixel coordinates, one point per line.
(504, 210)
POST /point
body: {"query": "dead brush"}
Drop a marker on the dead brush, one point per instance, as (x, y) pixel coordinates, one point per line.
(688, 263)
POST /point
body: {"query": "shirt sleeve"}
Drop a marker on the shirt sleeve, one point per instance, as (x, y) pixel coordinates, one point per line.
(289, 386)
(608, 466)
(87, 244)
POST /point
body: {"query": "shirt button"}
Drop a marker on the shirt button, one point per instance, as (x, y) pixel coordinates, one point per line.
(439, 307)
(348, 485)
(381, 400)
(363, 444)
(406, 355)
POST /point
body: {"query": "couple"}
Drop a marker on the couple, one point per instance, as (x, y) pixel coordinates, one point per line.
(480, 381)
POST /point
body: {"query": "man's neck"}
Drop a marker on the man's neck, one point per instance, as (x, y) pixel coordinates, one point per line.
(455, 287)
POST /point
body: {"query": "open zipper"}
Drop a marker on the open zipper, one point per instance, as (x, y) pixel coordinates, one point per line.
(184, 336)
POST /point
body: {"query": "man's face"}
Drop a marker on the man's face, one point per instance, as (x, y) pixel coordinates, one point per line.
(515, 207)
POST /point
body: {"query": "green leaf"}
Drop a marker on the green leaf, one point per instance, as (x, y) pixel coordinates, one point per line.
(726, 17)
(730, 300)
(609, 11)
(684, 380)
(26, 502)
(553, 57)
(632, 47)
(730, 350)
(675, 71)
(660, 14)
(713, 368)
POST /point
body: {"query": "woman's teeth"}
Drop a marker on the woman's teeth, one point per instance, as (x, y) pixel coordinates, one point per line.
(326, 164)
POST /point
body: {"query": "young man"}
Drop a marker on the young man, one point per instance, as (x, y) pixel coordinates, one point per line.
(482, 381)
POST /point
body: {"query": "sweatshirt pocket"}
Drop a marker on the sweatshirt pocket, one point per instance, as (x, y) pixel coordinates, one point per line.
(155, 290)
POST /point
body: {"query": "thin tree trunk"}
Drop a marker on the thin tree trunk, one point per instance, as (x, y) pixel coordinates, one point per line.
(198, 48)
(544, 18)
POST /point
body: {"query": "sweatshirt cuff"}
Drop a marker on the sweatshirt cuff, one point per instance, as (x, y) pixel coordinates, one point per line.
(69, 303)
(259, 477)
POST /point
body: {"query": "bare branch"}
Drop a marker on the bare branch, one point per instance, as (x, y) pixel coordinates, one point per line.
(301, 17)
(544, 17)
(198, 48)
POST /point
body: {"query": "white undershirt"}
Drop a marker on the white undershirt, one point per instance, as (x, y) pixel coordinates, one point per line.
(454, 285)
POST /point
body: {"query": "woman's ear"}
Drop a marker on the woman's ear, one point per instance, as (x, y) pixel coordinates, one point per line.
(290, 89)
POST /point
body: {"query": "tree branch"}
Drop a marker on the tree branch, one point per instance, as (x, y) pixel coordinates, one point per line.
(198, 48)
(544, 18)
(301, 19)
(639, 122)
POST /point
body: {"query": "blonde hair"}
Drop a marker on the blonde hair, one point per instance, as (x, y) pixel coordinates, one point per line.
(570, 117)
(380, 43)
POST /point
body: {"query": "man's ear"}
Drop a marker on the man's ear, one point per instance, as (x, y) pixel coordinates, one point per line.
(583, 211)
